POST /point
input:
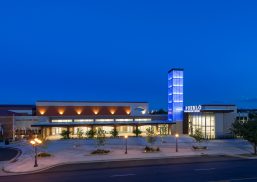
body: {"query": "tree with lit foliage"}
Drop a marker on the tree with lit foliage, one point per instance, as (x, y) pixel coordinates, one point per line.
(247, 130)
(151, 136)
(198, 135)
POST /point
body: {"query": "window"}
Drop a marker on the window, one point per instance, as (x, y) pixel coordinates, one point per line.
(143, 119)
(104, 120)
(83, 120)
(61, 120)
(123, 120)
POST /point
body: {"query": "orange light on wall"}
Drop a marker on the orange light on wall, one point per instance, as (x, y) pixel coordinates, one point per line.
(112, 111)
(78, 111)
(95, 111)
(61, 111)
(128, 111)
(42, 111)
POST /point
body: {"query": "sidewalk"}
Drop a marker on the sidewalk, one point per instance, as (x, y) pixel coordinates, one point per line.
(79, 151)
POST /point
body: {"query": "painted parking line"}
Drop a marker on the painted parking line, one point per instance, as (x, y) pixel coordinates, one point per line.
(121, 175)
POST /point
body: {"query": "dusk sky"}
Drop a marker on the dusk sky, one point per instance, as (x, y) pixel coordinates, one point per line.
(122, 50)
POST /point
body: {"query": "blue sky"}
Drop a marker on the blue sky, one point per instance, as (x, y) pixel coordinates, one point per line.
(122, 50)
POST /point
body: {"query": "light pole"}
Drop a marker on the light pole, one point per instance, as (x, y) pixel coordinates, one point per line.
(35, 143)
(177, 135)
(126, 138)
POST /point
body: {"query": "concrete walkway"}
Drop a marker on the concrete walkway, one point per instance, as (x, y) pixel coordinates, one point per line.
(79, 151)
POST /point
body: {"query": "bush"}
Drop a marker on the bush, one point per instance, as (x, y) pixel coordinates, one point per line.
(114, 132)
(137, 132)
(198, 135)
(90, 133)
(151, 136)
(44, 154)
(79, 133)
(152, 149)
(98, 151)
(100, 137)
(65, 134)
(199, 147)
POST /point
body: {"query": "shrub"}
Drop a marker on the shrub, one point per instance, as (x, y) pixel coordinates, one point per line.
(151, 136)
(90, 133)
(198, 135)
(137, 132)
(65, 134)
(98, 151)
(44, 154)
(100, 137)
(114, 132)
(79, 133)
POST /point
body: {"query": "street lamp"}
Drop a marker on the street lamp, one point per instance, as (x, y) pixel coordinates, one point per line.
(177, 135)
(35, 143)
(126, 138)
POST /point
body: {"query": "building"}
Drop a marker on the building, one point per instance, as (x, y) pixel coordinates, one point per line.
(16, 121)
(56, 116)
(214, 120)
(176, 97)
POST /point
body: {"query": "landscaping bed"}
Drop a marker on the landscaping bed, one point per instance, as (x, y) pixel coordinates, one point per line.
(151, 149)
(100, 151)
(199, 147)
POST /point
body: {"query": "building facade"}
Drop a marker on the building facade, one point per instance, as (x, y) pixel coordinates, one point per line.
(56, 116)
(213, 120)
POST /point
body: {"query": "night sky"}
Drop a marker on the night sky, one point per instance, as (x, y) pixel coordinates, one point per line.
(122, 50)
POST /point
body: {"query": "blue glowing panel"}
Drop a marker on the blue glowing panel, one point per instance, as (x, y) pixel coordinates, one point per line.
(175, 95)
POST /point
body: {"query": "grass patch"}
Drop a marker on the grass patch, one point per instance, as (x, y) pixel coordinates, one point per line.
(99, 151)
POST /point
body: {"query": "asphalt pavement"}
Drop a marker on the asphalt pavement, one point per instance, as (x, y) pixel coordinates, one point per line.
(7, 154)
(207, 168)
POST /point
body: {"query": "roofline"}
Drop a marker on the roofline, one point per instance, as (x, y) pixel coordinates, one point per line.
(89, 101)
(177, 69)
(17, 105)
(218, 105)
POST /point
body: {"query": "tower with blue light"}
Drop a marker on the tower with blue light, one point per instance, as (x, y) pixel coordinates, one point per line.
(175, 95)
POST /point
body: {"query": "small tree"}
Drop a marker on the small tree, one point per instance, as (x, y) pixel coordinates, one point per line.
(247, 130)
(137, 132)
(114, 132)
(65, 134)
(79, 133)
(198, 135)
(100, 137)
(90, 133)
(151, 136)
(163, 131)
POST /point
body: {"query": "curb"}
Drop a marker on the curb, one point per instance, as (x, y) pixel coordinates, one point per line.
(102, 161)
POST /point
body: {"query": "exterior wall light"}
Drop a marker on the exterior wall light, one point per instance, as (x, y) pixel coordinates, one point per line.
(61, 112)
(79, 111)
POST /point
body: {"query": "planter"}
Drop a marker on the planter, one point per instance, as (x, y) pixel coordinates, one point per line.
(151, 149)
(199, 147)
(99, 151)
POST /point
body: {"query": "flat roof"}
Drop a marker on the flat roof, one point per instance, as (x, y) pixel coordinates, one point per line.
(175, 69)
(89, 101)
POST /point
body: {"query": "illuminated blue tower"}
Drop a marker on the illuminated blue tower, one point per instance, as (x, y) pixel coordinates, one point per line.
(175, 95)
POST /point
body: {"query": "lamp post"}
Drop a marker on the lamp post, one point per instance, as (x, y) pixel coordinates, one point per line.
(35, 143)
(177, 135)
(126, 138)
